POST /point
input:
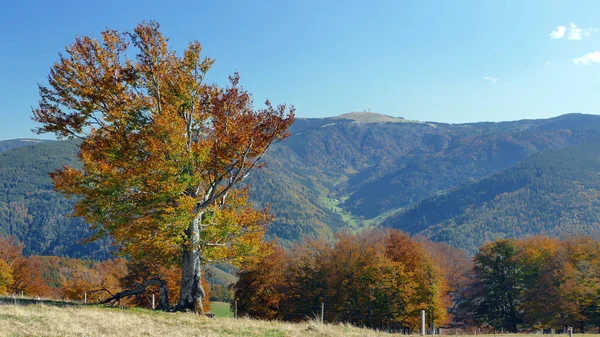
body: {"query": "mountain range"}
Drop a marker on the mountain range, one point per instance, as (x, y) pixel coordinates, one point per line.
(462, 184)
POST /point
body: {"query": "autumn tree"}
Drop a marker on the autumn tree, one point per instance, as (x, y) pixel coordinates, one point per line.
(306, 280)
(26, 272)
(375, 278)
(162, 151)
(538, 257)
(457, 269)
(577, 283)
(498, 290)
(429, 285)
(353, 291)
(261, 287)
(537, 282)
(5, 277)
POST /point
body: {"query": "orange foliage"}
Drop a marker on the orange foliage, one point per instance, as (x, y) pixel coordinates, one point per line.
(26, 273)
(5, 277)
(162, 151)
(375, 278)
(97, 281)
(260, 289)
(543, 282)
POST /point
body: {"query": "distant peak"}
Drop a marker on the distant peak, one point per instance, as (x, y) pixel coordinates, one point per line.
(371, 117)
(32, 140)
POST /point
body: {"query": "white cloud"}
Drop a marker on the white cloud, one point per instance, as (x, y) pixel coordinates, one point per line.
(588, 58)
(558, 33)
(572, 32)
(491, 79)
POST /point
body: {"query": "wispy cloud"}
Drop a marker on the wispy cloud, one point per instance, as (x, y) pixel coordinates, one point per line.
(573, 32)
(491, 79)
(558, 33)
(588, 58)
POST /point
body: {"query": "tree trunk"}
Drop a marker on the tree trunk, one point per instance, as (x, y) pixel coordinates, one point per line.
(191, 292)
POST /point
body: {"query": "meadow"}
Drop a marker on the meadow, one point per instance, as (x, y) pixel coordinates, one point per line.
(32, 319)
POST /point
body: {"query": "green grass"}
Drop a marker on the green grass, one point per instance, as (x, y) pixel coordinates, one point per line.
(355, 223)
(333, 204)
(220, 309)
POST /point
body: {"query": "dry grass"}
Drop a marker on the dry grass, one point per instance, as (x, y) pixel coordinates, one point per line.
(44, 320)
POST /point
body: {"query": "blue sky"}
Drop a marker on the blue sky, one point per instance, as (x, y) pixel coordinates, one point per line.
(446, 61)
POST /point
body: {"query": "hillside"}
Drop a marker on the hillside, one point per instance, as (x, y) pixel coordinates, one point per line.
(333, 173)
(31, 211)
(554, 192)
(350, 171)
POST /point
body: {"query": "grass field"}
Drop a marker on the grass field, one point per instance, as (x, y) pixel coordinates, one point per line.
(45, 320)
(221, 309)
(69, 319)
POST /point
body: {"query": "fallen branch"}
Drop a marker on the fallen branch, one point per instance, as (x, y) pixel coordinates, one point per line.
(140, 288)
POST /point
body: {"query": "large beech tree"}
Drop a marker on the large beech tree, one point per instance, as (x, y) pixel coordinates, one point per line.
(162, 151)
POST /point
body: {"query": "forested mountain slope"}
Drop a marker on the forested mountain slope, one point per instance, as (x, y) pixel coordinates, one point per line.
(555, 192)
(31, 211)
(338, 171)
(349, 171)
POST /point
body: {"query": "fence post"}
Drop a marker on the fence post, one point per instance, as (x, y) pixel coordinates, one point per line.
(570, 331)
(422, 322)
(322, 312)
(153, 302)
(85, 297)
(236, 315)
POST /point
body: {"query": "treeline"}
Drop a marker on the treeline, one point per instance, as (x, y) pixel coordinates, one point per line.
(60, 278)
(384, 279)
(375, 279)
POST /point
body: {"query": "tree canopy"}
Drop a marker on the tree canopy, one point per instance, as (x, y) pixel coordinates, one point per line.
(374, 278)
(162, 151)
